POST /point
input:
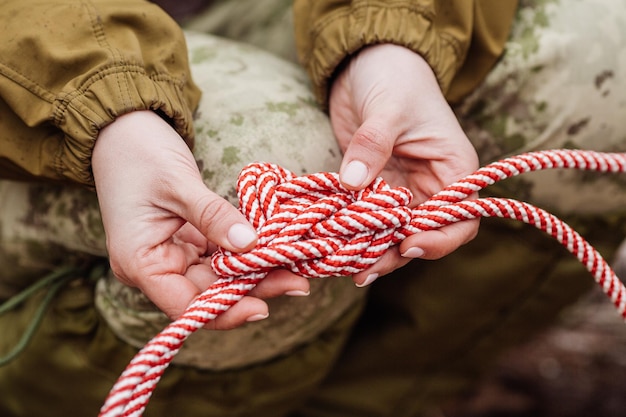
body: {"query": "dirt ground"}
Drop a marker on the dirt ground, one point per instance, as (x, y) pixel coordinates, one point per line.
(575, 369)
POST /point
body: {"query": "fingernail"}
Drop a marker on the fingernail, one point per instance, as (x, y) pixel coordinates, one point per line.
(241, 236)
(297, 293)
(413, 253)
(257, 317)
(354, 174)
(370, 278)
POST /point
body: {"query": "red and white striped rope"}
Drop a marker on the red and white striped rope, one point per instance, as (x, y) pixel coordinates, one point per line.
(314, 227)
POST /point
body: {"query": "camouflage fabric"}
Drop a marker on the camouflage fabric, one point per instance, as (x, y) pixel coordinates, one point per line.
(43, 227)
(266, 24)
(560, 84)
(425, 332)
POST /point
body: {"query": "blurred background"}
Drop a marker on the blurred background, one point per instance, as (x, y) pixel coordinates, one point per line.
(577, 368)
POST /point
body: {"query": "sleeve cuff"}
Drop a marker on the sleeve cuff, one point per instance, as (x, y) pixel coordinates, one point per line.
(110, 93)
(349, 31)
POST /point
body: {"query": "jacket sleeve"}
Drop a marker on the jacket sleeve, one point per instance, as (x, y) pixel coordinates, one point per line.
(68, 68)
(460, 39)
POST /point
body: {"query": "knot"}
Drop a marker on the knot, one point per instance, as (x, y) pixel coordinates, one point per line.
(314, 226)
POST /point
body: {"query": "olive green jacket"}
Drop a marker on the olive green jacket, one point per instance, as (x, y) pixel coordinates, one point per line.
(68, 68)
(460, 39)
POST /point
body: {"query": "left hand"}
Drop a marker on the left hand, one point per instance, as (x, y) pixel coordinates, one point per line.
(392, 120)
(162, 223)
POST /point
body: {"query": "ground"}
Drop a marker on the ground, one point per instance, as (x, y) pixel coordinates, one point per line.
(574, 369)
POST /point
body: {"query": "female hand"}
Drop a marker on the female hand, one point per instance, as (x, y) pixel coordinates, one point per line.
(162, 223)
(392, 120)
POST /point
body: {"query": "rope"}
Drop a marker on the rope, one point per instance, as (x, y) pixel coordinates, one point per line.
(314, 227)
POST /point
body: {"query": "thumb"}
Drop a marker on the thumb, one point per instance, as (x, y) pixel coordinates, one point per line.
(218, 220)
(367, 154)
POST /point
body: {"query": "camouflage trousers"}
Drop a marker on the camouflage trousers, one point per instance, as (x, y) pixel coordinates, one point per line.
(416, 337)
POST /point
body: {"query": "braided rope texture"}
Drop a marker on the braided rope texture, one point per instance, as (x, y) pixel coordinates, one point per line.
(315, 227)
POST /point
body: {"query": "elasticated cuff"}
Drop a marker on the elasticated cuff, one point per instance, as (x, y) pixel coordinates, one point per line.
(348, 31)
(110, 93)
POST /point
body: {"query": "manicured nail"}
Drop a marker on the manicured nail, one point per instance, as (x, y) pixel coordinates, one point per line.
(370, 278)
(241, 235)
(257, 317)
(413, 253)
(354, 174)
(297, 293)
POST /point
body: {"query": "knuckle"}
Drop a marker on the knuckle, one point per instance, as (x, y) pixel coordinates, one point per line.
(211, 211)
(374, 139)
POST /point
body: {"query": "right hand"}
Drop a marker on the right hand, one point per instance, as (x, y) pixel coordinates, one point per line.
(391, 119)
(162, 223)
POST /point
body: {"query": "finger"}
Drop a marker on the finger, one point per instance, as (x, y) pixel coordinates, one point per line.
(190, 252)
(171, 293)
(188, 233)
(217, 219)
(277, 283)
(282, 282)
(366, 155)
(248, 309)
(388, 263)
(202, 275)
(435, 244)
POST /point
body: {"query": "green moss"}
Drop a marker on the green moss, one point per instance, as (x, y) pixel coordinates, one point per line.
(289, 109)
(230, 156)
(541, 106)
(207, 175)
(236, 119)
(199, 55)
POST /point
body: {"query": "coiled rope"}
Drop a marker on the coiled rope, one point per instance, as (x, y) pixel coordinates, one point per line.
(314, 227)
